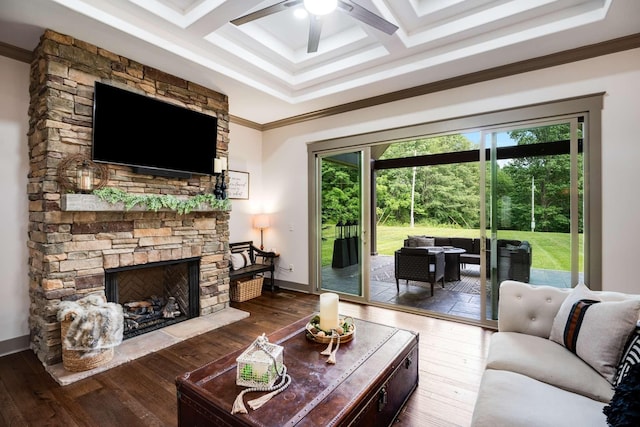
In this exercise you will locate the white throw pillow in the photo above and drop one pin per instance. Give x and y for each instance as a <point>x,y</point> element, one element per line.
<point>595,331</point>
<point>240,260</point>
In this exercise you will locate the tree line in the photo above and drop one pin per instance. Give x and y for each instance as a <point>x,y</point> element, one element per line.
<point>448,195</point>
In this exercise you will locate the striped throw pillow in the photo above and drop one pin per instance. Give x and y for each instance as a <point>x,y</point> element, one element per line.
<point>630,357</point>
<point>596,331</point>
<point>240,260</point>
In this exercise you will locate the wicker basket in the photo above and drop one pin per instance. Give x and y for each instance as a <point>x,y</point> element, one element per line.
<point>245,289</point>
<point>77,361</point>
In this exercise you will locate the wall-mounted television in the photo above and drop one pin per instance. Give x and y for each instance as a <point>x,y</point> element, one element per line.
<point>152,136</point>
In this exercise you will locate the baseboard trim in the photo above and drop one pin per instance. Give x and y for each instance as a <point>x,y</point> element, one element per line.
<point>14,345</point>
<point>293,286</point>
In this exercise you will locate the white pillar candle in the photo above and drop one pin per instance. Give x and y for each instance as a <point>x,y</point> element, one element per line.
<point>217,166</point>
<point>328,311</point>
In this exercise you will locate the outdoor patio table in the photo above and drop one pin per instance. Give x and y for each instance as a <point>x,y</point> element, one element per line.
<point>452,263</point>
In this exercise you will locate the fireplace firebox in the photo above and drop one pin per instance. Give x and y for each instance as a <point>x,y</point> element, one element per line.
<point>155,295</point>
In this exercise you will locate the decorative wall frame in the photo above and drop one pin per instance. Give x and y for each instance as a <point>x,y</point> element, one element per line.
<point>72,179</point>
<point>238,185</point>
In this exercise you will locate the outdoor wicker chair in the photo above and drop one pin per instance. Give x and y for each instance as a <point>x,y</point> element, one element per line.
<point>419,264</point>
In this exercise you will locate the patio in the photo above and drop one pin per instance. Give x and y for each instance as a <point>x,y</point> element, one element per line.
<point>458,298</point>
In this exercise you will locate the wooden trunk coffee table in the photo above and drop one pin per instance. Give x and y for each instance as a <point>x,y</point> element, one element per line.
<point>375,374</point>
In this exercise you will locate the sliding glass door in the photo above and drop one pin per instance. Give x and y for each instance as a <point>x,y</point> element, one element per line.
<point>507,201</point>
<point>533,205</point>
<point>340,218</point>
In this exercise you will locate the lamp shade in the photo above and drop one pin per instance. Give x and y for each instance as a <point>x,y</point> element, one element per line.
<point>261,221</point>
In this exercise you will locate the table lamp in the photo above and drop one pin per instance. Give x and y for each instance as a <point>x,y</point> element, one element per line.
<point>261,221</point>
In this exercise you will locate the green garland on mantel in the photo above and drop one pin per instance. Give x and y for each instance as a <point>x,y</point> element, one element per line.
<point>155,202</point>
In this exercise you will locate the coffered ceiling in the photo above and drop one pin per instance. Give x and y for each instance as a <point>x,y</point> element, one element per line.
<point>263,65</point>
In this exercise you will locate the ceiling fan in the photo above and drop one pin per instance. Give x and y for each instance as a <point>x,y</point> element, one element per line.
<point>317,9</point>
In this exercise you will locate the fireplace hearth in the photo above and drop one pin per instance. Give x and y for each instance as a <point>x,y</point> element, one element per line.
<point>155,295</point>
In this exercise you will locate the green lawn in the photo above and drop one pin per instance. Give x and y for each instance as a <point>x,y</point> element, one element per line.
<point>550,250</point>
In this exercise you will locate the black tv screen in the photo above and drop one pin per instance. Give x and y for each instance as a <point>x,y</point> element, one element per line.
<point>152,136</point>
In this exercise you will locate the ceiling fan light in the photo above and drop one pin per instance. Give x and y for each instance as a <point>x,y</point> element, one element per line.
<point>300,13</point>
<point>320,7</point>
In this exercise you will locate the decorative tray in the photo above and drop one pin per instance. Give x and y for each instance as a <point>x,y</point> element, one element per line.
<point>346,330</point>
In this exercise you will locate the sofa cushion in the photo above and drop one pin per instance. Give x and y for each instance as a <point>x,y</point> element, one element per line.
<point>630,357</point>
<point>546,361</point>
<point>512,399</point>
<point>464,243</point>
<point>527,308</point>
<point>411,241</point>
<point>420,241</point>
<point>596,332</point>
<point>443,241</point>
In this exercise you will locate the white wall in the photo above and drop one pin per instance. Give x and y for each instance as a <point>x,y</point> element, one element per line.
<point>245,155</point>
<point>285,157</point>
<point>277,163</point>
<point>14,211</point>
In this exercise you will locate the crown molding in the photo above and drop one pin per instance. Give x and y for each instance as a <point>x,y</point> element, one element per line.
<point>246,123</point>
<point>17,53</point>
<point>559,58</point>
<point>552,60</point>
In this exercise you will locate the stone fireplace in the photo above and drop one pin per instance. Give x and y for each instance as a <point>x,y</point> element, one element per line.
<point>79,244</point>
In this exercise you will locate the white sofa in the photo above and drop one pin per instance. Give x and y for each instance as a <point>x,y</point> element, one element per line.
<point>530,380</point>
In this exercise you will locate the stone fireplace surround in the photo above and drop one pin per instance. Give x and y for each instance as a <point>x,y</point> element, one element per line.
<point>71,247</point>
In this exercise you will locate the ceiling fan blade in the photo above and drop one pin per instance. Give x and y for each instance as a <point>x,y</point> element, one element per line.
<point>315,25</point>
<point>366,16</point>
<point>278,7</point>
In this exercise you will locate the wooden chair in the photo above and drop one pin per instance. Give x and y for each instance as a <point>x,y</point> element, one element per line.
<point>419,264</point>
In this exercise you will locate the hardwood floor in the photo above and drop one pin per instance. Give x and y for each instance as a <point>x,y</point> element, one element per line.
<point>142,392</point>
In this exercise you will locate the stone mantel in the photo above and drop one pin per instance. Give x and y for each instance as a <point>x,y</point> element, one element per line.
<point>91,203</point>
